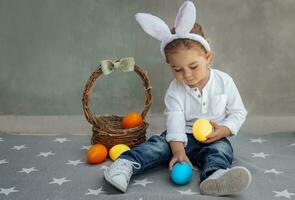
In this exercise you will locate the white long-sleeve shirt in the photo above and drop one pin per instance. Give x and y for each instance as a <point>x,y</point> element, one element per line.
<point>220,102</point>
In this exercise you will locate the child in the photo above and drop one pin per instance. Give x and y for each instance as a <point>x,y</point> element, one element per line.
<point>196,92</point>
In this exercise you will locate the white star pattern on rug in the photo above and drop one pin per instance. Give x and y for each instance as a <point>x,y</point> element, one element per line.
<point>283,193</point>
<point>258,140</point>
<point>187,192</point>
<point>19,147</point>
<point>45,154</point>
<point>59,181</point>
<point>58,166</point>
<point>85,147</point>
<point>273,171</point>
<point>94,192</point>
<point>104,167</point>
<point>3,161</point>
<point>1,139</point>
<point>234,162</point>
<point>7,191</point>
<point>142,182</point>
<point>61,140</point>
<point>74,162</point>
<point>28,170</point>
<point>260,155</point>
<point>196,169</point>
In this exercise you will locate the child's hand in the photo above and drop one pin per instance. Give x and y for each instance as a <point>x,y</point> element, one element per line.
<point>218,133</point>
<point>178,153</point>
<point>179,157</point>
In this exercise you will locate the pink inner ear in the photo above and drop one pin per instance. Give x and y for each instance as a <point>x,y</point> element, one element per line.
<point>179,15</point>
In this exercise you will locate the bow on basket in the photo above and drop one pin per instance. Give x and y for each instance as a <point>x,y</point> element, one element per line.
<point>124,64</point>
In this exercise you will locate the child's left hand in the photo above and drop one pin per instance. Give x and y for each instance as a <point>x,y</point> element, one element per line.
<point>218,133</point>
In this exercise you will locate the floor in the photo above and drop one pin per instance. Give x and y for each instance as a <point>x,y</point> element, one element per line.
<point>43,157</point>
<point>53,167</point>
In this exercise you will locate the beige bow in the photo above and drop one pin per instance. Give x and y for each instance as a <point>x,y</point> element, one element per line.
<point>124,64</point>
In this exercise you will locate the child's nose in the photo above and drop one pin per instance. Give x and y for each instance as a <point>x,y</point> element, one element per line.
<point>186,74</point>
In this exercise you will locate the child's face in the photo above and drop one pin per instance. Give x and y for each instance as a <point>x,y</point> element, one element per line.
<point>190,66</point>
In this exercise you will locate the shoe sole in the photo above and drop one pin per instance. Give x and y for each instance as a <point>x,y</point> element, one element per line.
<point>234,181</point>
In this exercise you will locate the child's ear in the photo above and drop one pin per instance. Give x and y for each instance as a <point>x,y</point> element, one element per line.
<point>209,56</point>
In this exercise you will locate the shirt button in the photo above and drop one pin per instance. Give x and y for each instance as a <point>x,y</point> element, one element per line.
<point>199,96</point>
<point>204,104</point>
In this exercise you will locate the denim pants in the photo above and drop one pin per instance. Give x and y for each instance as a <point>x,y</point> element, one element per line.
<point>207,157</point>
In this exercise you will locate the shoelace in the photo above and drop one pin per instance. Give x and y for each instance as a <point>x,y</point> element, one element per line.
<point>122,166</point>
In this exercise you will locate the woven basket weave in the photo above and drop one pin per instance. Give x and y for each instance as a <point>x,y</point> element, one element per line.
<point>107,128</point>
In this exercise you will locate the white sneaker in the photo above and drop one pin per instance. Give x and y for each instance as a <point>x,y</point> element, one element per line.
<point>120,172</point>
<point>226,182</point>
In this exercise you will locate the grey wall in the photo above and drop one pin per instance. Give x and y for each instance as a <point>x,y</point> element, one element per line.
<point>49,48</point>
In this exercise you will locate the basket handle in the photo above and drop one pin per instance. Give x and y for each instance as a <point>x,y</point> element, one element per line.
<point>89,85</point>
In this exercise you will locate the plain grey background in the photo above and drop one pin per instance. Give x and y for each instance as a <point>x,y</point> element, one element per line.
<point>49,48</point>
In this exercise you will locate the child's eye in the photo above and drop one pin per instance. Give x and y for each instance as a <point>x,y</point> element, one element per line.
<point>177,70</point>
<point>194,67</point>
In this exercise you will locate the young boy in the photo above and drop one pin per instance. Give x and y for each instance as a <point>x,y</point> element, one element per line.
<point>196,92</point>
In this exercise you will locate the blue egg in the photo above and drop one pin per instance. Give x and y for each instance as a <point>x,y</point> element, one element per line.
<point>181,173</point>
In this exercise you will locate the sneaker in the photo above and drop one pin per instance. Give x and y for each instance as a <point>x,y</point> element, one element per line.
<point>226,182</point>
<point>120,172</point>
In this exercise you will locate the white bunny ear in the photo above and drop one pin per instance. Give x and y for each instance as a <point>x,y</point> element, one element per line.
<point>153,26</point>
<point>185,18</point>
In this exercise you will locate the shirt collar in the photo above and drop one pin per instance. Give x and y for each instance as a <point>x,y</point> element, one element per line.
<point>210,79</point>
<point>188,88</point>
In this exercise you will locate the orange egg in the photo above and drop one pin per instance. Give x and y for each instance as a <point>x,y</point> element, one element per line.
<point>96,154</point>
<point>131,120</point>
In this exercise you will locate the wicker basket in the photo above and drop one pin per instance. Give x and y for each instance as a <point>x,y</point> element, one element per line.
<point>107,128</point>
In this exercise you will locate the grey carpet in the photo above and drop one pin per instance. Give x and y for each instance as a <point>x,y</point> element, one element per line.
<point>32,166</point>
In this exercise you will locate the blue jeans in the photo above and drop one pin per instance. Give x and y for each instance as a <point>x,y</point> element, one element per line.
<point>207,157</point>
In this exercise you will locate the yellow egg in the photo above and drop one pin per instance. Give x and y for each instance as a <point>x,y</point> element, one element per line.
<point>117,150</point>
<point>202,128</point>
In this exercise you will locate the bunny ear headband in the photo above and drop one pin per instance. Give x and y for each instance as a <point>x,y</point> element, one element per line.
<point>184,22</point>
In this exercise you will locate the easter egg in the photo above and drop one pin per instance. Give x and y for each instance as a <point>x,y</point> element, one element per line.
<point>201,129</point>
<point>131,120</point>
<point>96,154</point>
<point>117,150</point>
<point>181,173</point>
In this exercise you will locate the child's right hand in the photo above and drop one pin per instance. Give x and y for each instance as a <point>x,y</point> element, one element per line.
<point>179,155</point>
